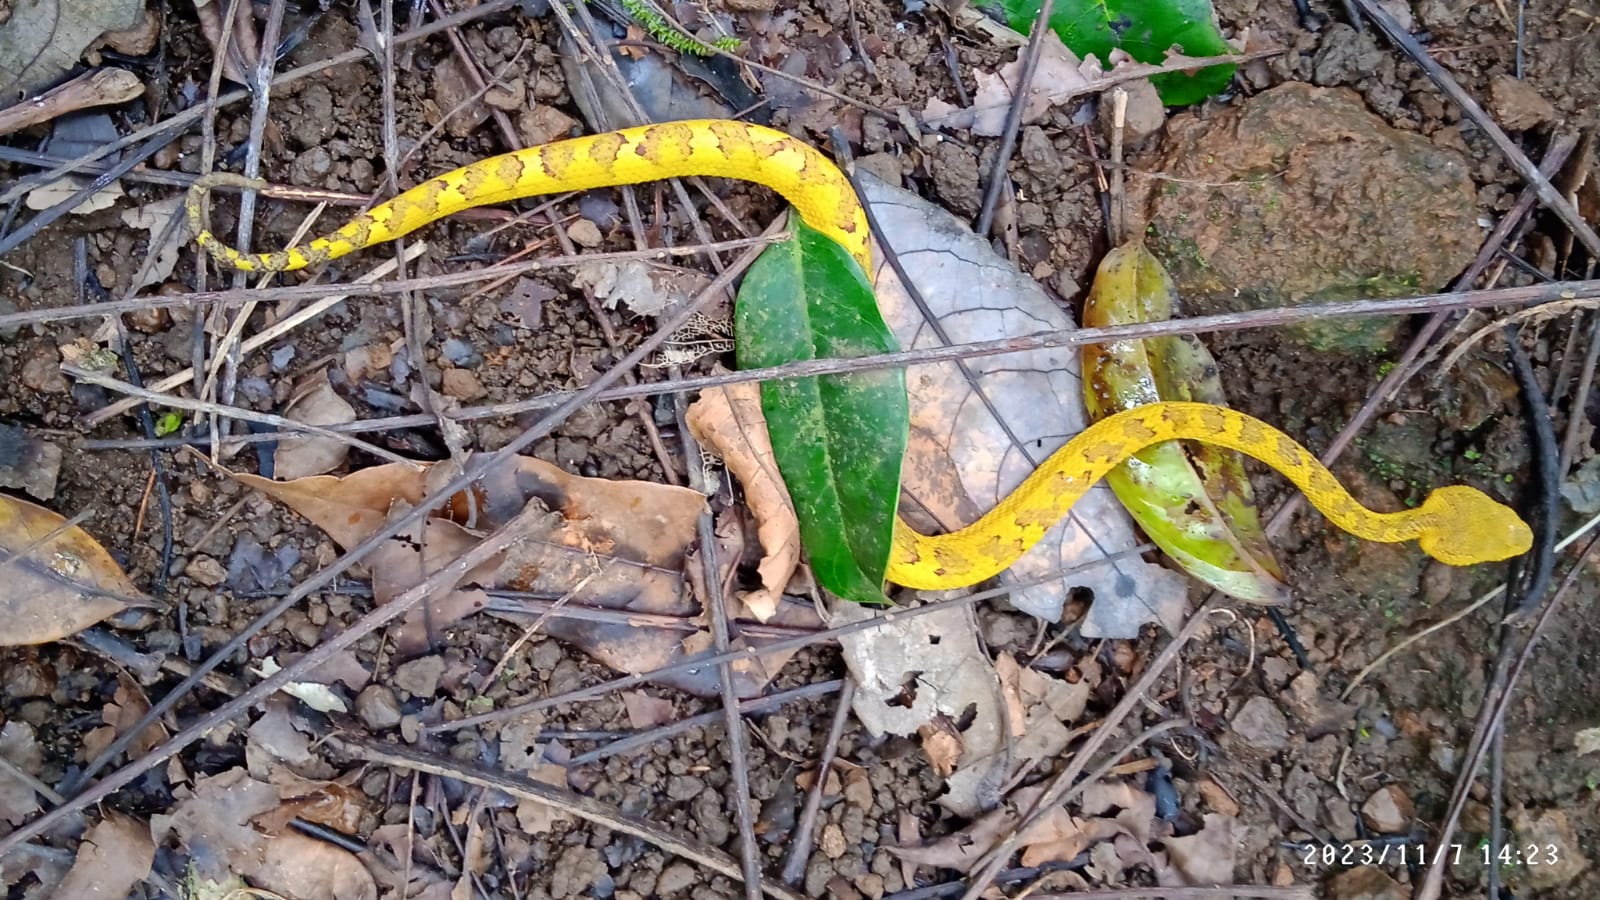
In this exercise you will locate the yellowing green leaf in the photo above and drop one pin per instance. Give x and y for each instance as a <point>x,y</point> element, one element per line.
<point>1194,500</point>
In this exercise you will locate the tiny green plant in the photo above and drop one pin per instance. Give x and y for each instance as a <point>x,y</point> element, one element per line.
<point>168,422</point>
<point>669,34</point>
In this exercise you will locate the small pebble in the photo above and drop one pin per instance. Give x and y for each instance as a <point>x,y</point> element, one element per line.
<point>205,570</point>
<point>462,385</point>
<point>378,707</point>
<point>420,677</point>
<point>585,233</point>
<point>675,878</point>
<point>1261,725</point>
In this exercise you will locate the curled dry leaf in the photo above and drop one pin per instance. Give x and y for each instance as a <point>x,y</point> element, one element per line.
<point>127,706</point>
<point>155,218</point>
<point>729,422</point>
<point>646,288</point>
<point>57,586</point>
<point>1203,858</point>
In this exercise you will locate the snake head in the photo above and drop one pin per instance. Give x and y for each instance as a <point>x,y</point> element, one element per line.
<point>1463,526</point>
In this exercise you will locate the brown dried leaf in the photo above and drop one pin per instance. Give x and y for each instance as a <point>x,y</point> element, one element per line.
<point>18,802</point>
<point>646,711</point>
<point>1136,809</point>
<point>616,546</point>
<point>115,855</point>
<point>942,744</point>
<point>1010,674</point>
<point>298,866</point>
<point>213,821</point>
<point>1058,837</point>
<point>1205,857</point>
<point>963,849</point>
<point>728,421</point>
<point>349,508</point>
<point>536,817</point>
<point>54,588</point>
<point>127,706</point>
<point>313,402</point>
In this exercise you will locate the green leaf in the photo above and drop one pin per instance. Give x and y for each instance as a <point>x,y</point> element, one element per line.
<point>839,439</point>
<point>1145,30</point>
<point>168,422</point>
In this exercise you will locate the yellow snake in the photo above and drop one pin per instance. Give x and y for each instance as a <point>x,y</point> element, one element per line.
<point>1456,525</point>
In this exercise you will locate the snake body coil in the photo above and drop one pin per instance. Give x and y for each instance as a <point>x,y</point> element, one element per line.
<point>1456,525</point>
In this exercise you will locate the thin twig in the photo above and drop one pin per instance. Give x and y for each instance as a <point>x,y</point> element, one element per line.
<point>699,662</point>
<point>101,379</point>
<point>1490,717</point>
<point>794,865</point>
<point>753,707</point>
<point>1068,778</point>
<point>576,804</point>
<point>1219,323</point>
<point>443,578</point>
<point>1008,135</point>
<point>1524,167</point>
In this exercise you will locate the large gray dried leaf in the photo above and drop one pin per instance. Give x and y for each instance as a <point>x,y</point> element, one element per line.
<point>44,38</point>
<point>968,450</point>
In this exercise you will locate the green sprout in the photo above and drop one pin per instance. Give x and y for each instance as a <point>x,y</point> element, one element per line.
<point>168,422</point>
<point>669,34</point>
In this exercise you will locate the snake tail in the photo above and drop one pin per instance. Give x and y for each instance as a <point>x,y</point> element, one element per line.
<point>1456,525</point>
<point>811,183</point>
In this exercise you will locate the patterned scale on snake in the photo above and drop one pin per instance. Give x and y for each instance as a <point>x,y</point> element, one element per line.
<point>1456,525</point>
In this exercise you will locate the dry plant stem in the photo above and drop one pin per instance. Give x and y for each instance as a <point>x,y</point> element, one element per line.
<point>444,578</point>
<point>1524,167</point>
<point>716,605</point>
<point>48,217</point>
<point>474,469</point>
<point>753,707</point>
<point>1408,366</point>
<point>144,667</point>
<point>365,287</point>
<point>1068,778</point>
<point>228,354</point>
<point>1580,398</point>
<point>590,43</point>
<point>794,866</point>
<point>271,333</point>
<point>1008,135</point>
<point>232,412</point>
<point>101,87</point>
<point>574,804</point>
<point>226,350</point>
<point>1228,892</point>
<point>1223,322</point>
<point>523,604</point>
<point>1116,190</point>
<point>1491,719</point>
<point>196,113</point>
